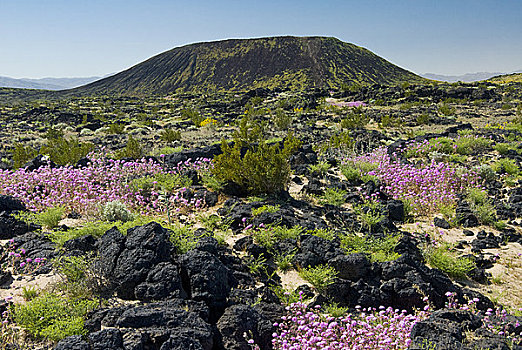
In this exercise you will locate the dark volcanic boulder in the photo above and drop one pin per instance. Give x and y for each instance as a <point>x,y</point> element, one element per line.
<point>106,339</point>
<point>351,267</point>
<point>163,281</point>
<point>131,260</point>
<point>455,329</point>
<point>395,210</point>
<point>74,342</point>
<point>175,159</point>
<point>465,216</point>
<point>208,279</point>
<point>80,245</point>
<point>173,324</point>
<point>9,204</point>
<point>316,251</point>
<point>239,320</point>
<point>11,227</point>
<point>33,246</point>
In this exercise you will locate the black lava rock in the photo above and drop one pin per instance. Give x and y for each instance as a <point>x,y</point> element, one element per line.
<point>131,260</point>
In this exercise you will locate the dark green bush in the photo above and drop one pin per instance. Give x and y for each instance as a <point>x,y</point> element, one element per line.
<point>193,115</point>
<point>53,133</point>
<point>132,149</point>
<point>65,151</point>
<point>22,154</point>
<point>116,128</point>
<point>264,168</point>
<point>170,135</point>
<point>50,316</point>
<point>355,119</point>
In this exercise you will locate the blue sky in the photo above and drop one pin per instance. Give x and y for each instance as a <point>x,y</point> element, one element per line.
<point>65,38</point>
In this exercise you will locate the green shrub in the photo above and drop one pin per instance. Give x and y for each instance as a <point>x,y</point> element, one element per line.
<point>78,280</point>
<point>482,206</point>
<point>161,182</point>
<point>54,133</point>
<point>320,277</point>
<point>423,119</point>
<point>324,233</point>
<point>263,169</point>
<point>22,154</point>
<point>193,115</point>
<point>64,151</point>
<point>116,211</point>
<point>182,237</point>
<point>388,121</point>
<point>341,141</point>
<point>284,261</point>
<point>350,172</point>
<point>321,167</point>
<point>281,119</point>
<point>170,135</point>
<point>470,144</point>
<point>377,249</point>
<point>167,150</point>
<point>29,293</point>
<point>442,258</point>
<point>265,209</point>
<point>446,110</point>
<point>116,128</point>
<point>132,149</point>
<point>334,310</point>
<point>51,316</point>
<point>212,182</point>
<point>504,148</point>
<point>333,196</point>
<point>369,213</point>
<point>355,119</point>
<point>505,165</point>
<point>95,229</point>
<point>50,218</point>
<point>271,234</point>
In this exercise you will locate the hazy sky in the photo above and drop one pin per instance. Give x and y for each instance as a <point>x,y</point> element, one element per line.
<point>74,38</point>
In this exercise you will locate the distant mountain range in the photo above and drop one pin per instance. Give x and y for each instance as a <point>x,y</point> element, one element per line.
<point>244,64</point>
<point>46,83</point>
<point>469,77</point>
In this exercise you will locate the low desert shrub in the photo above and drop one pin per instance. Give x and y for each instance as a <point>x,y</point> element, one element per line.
<point>170,135</point>
<point>320,168</point>
<point>267,236</point>
<point>50,217</point>
<point>442,258</point>
<point>116,128</point>
<point>53,317</point>
<point>320,277</point>
<point>355,118</point>
<point>506,166</point>
<point>377,249</point>
<point>265,209</point>
<point>65,151</point>
<point>132,149</point>
<point>116,211</point>
<point>333,196</point>
<point>482,206</point>
<point>22,154</point>
<point>264,168</point>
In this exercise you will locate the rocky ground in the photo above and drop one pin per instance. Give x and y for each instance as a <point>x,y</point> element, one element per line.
<point>213,275</point>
